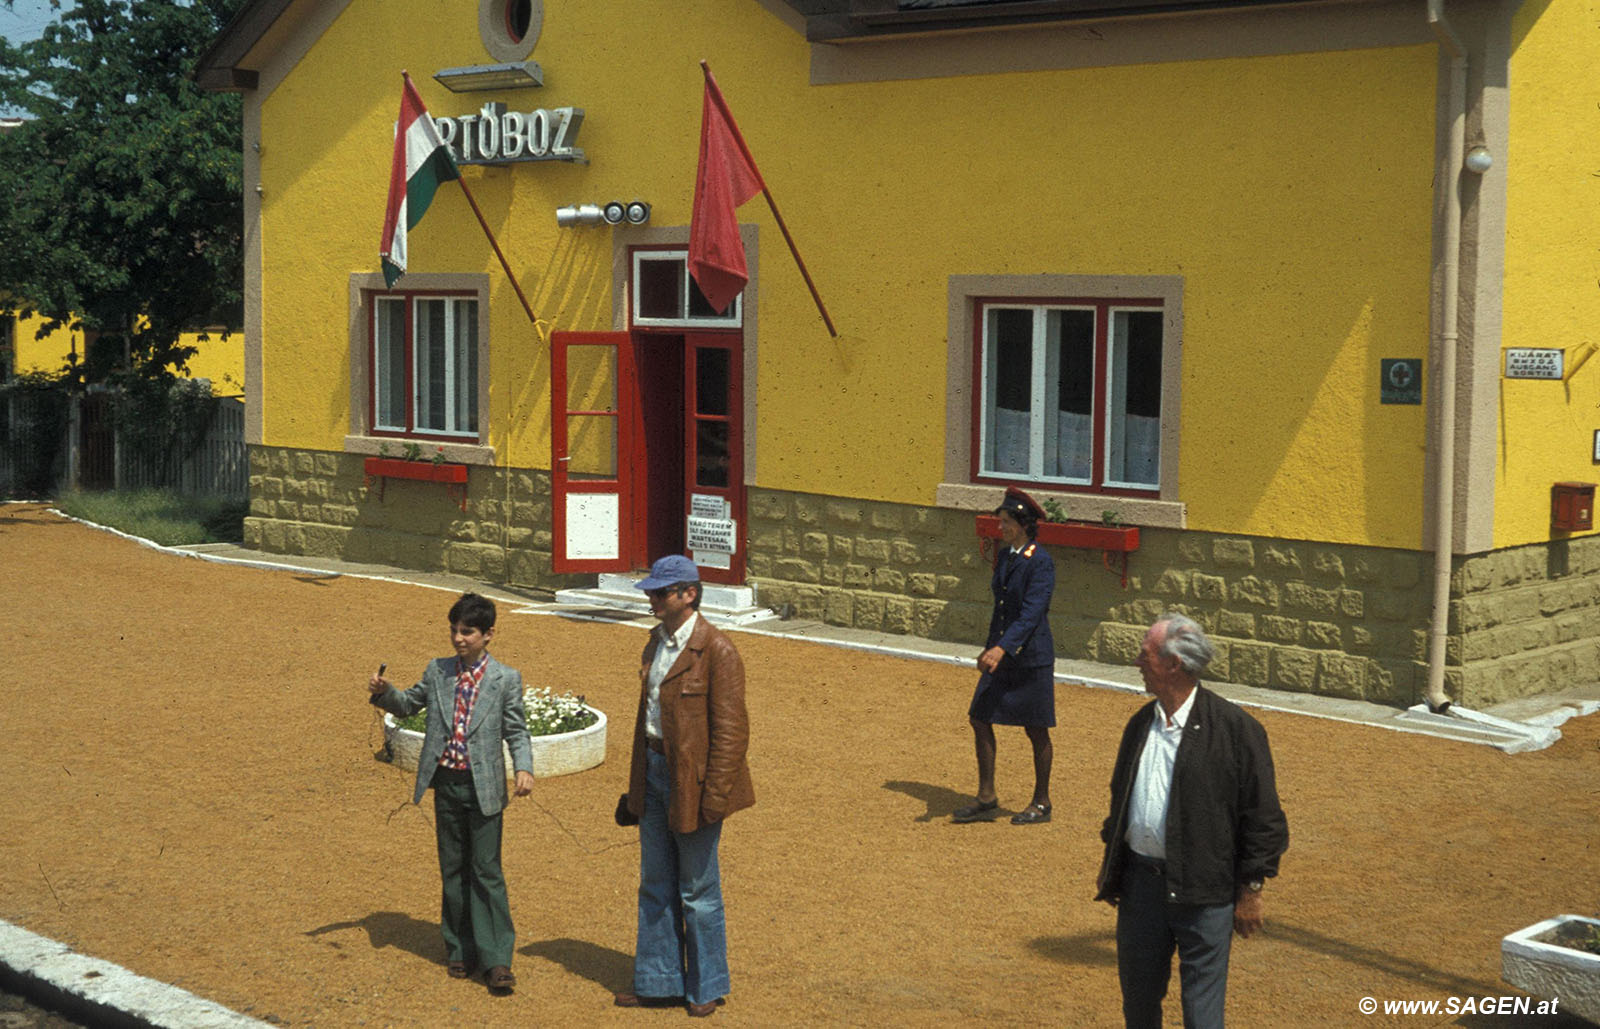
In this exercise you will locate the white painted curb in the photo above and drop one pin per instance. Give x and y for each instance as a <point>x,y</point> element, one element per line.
<point>101,993</point>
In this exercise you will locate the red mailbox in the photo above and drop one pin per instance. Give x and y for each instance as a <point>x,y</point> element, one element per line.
<point>1572,506</point>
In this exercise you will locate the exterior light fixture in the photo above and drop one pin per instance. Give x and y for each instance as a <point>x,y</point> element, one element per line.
<point>633,212</point>
<point>1479,160</point>
<point>513,75</point>
<point>575,215</point>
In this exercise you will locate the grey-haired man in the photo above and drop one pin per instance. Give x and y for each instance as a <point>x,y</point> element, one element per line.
<point>1194,832</point>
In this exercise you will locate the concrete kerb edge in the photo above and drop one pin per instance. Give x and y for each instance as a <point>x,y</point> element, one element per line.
<point>1535,736</point>
<point>100,993</point>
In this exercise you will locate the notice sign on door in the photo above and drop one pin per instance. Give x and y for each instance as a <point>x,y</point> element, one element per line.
<point>711,534</point>
<point>707,505</point>
<point>1534,363</point>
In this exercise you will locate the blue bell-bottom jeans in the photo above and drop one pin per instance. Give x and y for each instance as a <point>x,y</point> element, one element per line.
<point>682,949</point>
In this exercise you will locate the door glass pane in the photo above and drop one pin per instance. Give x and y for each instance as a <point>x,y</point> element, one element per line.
<point>710,453</point>
<point>1133,399</point>
<point>591,447</point>
<point>389,361</point>
<point>592,378</point>
<point>1008,354</point>
<point>1069,382</point>
<point>660,286</point>
<point>711,380</point>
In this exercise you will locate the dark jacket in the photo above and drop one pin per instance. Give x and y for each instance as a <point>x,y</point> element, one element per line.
<point>705,731</point>
<point>1224,824</point>
<point>1022,584</point>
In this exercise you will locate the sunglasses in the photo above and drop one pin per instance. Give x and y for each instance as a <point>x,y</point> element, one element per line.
<point>663,593</point>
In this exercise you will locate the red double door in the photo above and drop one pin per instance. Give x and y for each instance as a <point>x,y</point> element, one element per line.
<point>647,451</point>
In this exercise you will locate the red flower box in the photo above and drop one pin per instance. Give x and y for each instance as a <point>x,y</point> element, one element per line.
<point>422,471</point>
<point>453,476</point>
<point>1083,535</point>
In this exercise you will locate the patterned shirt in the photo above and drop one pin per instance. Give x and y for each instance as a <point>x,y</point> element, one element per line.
<point>467,682</point>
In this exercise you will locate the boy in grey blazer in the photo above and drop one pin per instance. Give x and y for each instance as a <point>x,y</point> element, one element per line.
<point>474,703</point>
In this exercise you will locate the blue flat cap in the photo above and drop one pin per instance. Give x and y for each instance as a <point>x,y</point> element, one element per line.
<point>669,571</point>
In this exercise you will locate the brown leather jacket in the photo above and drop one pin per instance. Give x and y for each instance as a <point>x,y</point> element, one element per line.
<point>705,731</point>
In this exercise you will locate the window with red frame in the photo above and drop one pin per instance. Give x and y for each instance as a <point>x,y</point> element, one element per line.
<point>425,365</point>
<point>1070,394</point>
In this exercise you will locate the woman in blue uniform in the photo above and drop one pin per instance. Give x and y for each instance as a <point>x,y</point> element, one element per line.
<point>1017,686</point>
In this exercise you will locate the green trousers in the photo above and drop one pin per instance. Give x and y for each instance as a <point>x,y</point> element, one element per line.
<point>475,915</point>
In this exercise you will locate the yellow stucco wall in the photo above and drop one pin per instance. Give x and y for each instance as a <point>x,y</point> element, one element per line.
<point>1550,300</point>
<point>1292,193</point>
<point>218,359</point>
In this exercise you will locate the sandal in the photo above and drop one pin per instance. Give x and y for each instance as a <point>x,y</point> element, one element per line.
<point>457,969</point>
<point>974,812</point>
<point>500,979</point>
<point>1033,814</point>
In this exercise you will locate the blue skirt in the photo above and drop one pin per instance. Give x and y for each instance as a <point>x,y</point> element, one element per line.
<point>1016,696</point>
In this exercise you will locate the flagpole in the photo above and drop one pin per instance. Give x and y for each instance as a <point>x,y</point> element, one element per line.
<point>738,137</point>
<point>494,243</point>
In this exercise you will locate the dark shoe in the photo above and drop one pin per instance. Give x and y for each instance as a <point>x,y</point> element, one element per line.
<point>708,1008</point>
<point>975,812</point>
<point>1033,814</point>
<point>633,1000</point>
<point>457,970</point>
<point>500,979</point>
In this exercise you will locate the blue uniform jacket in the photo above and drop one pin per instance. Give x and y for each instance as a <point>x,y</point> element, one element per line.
<point>1022,585</point>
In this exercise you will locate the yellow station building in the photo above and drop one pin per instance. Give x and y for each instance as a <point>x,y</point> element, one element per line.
<point>1279,286</point>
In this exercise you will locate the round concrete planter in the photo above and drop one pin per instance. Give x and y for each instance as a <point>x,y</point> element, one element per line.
<point>561,754</point>
<point>1545,969</point>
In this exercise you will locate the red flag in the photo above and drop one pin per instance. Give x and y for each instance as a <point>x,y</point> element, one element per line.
<point>727,177</point>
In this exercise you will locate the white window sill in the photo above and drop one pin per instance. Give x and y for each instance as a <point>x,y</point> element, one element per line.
<point>1142,511</point>
<point>460,453</point>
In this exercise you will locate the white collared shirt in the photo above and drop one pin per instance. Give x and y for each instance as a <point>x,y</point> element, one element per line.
<point>1152,785</point>
<point>668,647</point>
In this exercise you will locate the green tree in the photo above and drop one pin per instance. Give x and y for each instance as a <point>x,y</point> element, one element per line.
<point>120,194</point>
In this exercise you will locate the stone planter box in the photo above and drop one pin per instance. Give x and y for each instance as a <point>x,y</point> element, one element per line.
<point>561,754</point>
<point>1530,962</point>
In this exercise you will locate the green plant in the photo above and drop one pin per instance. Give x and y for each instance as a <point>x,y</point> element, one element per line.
<point>1584,936</point>
<point>1053,511</point>
<point>1110,516</point>
<point>413,452</point>
<point>438,457</point>
<point>548,714</point>
<point>161,516</point>
<point>383,449</point>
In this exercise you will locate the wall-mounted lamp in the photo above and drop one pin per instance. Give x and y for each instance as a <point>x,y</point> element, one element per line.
<point>634,212</point>
<point>513,75</point>
<point>1479,160</point>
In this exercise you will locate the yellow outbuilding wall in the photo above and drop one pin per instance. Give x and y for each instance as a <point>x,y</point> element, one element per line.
<point>216,358</point>
<point>1292,193</point>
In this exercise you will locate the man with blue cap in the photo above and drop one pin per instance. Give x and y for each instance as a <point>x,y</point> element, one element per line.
<point>688,774</point>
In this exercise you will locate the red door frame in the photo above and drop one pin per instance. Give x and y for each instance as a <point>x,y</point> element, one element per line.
<point>626,413</point>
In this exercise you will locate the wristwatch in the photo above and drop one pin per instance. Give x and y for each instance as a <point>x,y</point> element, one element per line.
<point>1254,885</point>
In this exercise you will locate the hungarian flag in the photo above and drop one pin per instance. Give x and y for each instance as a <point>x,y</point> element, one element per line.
<point>727,178</point>
<point>421,162</point>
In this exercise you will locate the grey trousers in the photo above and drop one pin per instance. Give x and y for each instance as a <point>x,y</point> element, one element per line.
<point>1149,929</point>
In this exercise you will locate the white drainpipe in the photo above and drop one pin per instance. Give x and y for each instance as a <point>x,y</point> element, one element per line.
<point>1445,455</point>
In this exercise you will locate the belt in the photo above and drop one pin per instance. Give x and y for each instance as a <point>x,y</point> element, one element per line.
<point>1148,864</point>
<point>655,744</point>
